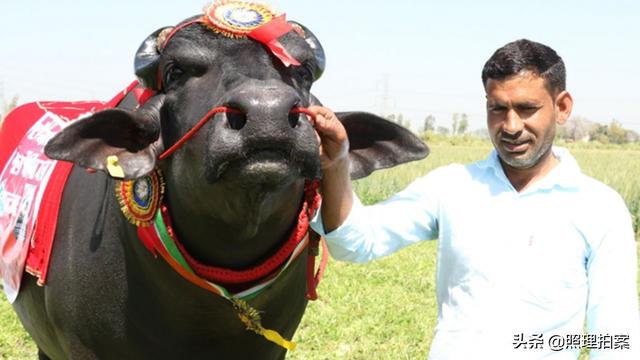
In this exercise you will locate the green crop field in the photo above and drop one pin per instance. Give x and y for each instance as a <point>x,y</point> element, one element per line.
<point>387,309</point>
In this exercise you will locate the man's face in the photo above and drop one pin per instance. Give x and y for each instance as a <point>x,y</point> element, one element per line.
<point>521,118</point>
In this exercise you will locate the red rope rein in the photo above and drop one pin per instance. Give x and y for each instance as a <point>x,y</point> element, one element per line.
<point>209,115</point>
<point>310,206</point>
<point>302,110</point>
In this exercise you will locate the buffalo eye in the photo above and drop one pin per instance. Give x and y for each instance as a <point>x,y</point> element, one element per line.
<point>304,72</point>
<point>173,72</point>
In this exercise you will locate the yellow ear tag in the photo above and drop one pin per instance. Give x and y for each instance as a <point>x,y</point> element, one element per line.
<point>114,169</point>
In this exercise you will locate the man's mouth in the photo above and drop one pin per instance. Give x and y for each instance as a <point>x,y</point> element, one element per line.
<point>515,146</point>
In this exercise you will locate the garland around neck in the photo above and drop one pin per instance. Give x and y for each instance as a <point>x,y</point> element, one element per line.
<point>141,203</point>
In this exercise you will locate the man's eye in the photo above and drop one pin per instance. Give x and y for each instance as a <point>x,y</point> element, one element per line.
<point>497,109</point>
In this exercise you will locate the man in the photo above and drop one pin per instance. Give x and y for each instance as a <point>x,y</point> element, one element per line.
<point>530,248</point>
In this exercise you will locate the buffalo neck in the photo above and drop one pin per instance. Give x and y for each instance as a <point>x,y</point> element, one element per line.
<point>236,227</point>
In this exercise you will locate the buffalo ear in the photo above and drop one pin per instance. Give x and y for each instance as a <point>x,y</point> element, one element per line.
<point>132,136</point>
<point>376,143</point>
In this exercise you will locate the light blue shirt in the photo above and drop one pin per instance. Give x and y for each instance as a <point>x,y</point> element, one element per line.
<point>512,268</point>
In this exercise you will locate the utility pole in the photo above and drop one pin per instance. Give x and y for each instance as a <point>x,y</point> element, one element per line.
<point>384,98</point>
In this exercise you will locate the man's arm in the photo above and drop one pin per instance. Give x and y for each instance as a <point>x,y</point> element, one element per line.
<point>357,233</point>
<point>612,308</point>
<point>337,197</point>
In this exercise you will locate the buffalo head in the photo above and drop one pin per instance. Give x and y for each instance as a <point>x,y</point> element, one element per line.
<point>194,71</point>
<point>260,148</point>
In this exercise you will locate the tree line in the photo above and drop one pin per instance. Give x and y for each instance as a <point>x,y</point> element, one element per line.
<point>459,124</point>
<point>576,129</point>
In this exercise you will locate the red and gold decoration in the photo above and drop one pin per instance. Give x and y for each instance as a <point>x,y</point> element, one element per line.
<point>256,21</point>
<point>237,18</point>
<point>140,198</point>
<point>242,19</point>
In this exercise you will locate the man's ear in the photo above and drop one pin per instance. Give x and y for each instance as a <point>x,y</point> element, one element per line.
<point>376,143</point>
<point>131,136</point>
<point>564,105</point>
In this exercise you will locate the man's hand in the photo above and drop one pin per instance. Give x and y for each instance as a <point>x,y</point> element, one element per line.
<point>337,197</point>
<point>334,143</point>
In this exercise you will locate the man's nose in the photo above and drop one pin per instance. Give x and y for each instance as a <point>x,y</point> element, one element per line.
<point>513,123</point>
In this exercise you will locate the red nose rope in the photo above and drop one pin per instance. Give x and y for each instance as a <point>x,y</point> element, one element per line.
<point>208,116</point>
<point>245,278</point>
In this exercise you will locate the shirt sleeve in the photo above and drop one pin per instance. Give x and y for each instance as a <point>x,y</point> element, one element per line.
<point>612,305</point>
<point>371,232</point>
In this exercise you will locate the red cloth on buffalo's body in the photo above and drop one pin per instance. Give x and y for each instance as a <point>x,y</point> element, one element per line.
<point>37,191</point>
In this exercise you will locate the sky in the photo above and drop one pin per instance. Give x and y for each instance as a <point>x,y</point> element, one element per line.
<point>411,57</point>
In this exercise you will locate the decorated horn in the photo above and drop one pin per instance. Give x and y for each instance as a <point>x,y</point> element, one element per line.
<point>315,45</point>
<point>147,58</point>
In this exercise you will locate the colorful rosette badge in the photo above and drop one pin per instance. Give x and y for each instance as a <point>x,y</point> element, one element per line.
<point>237,18</point>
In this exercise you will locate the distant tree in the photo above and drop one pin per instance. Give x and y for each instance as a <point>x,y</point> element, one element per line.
<point>442,130</point>
<point>454,124</point>
<point>481,133</point>
<point>613,133</point>
<point>576,128</point>
<point>400,120</point>
<point>7,106</point>
<point>599,133</point>
<point>463,124</point>
<point>429,123</point>
<point>616,133</point>
<point>632,136</point>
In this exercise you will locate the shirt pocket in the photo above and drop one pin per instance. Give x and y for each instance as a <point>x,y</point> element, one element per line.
<point>552,267</point>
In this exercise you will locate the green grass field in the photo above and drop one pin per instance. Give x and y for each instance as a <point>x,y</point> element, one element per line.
<point>386,309</point>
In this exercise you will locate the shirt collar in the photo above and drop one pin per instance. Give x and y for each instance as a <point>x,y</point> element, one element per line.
<point>564,175</point>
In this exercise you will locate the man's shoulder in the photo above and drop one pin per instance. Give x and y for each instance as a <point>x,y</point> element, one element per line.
<point>451,176</point>
<point>447,173</point>
<point>592,192</point>
<point>601,194</point>
<point>448,170</point>
<point>599,210</point>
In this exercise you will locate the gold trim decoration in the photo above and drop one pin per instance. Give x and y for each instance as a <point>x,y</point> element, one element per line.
<point>140,198</point>
<point>236,19</point>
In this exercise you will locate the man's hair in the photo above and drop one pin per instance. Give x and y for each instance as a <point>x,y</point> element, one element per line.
<point>523,55</point>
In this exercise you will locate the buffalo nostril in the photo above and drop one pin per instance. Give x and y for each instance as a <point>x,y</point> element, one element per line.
<point>236,120</point>
<point>294,117</point>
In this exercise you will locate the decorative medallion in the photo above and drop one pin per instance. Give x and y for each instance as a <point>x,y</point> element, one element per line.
<point>140,198</point>
<point>237,18</point>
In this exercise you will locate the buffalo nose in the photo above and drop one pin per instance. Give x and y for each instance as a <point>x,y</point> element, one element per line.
<point>263,108</point>
<point>236,119</point>
<point>293,119</point>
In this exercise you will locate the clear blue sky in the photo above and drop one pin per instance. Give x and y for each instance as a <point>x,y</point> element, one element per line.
<point>410,57</point>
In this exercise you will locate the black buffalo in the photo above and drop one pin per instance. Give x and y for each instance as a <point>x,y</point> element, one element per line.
<point>233,191</point>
